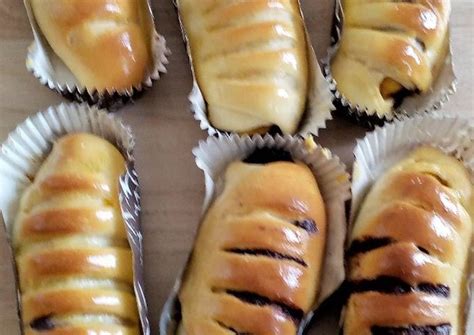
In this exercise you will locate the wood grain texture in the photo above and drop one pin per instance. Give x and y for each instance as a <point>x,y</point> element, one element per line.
<point>172,186</point>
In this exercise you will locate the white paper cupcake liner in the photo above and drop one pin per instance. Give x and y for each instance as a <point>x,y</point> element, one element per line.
<point>384,147</point>
<point>51,71</point>
<point>443,87</point>
<point>214,155</point>
<point>28,146</point>
<point>319,97</point>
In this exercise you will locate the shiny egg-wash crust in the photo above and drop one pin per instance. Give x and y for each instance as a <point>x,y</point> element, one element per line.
<point>250,60</point>
<point>104,44</point>
<point>74,261</point>
<point>256,264</point>
<point>390,50</point>
<point>409,249</point>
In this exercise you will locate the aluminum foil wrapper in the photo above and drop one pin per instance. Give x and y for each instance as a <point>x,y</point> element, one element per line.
<point>319,98</point>
<point>51,71</point>
<point>27,147</point>
<point>385,147</point>
<point>214,155</point>
<point>443,87</point>
<point>8,275</point>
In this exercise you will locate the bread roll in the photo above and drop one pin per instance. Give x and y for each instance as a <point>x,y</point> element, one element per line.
<point>409,249</point>
<point>390,49</point>
<point>105,43</point>
<point>71,249</point>
<point>257,260</point>
<point>250,60</point>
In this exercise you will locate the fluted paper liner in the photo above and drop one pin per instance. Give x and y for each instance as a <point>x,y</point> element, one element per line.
<point>385,147</point>
<point>439,94</point>
<point>214,155</point>
<point>51,71</point>
<point>318,101</point>
<point>28,146</point>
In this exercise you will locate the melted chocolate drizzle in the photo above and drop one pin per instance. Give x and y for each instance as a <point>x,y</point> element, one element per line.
<point>43,323</point>
<point>307,224</point>
<point>393,285</point>
<point>442,329</point>
<point>266,253</point>
<point>236,332</point>
<point>295,314</point>
<point>368,244</point>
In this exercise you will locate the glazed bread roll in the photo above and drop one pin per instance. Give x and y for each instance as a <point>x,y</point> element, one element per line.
<point>390,49</point>
<point>73,258</point>
<point>257,260</point>
<point>250,60</point>
<point>408,260</point>
<point>105,43</point>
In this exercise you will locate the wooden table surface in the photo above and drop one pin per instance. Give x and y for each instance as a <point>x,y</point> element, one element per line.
<point>172,186</point>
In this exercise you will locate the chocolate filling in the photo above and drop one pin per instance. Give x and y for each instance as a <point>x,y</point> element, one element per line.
<point>442,181</point>
<point>421,44</point>
<point>368,244</point>
<point>43,323</point>
<point>275,130</point>
<point>423,250</point>
<point>393,285</point>
<point>268,155</point>
<point>307,224</point>
<point>435,289</point>
<point>400,95</point>
<point>295,314</point>
<point>442,329</point>
<point>266,253</point>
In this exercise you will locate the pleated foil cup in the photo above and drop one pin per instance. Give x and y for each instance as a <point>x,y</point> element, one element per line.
<point>438,95</point>
<point>27,147</point>
<point>383,148</point>
<point>9,295</point>
<point>214,155</point>
<point>319,104</point>
<point>51,71</point>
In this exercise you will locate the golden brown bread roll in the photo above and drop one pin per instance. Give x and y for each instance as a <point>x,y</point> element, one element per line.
<point>105,43</point>
<point>409,249</point>
<point>390,49</point>
<point>257,260</point>
<point>73,258</point>
<point>250,60</point>
<point>101,330</point>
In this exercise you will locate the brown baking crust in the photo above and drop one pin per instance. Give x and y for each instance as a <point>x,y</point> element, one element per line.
<point>49,264</point>
<point>72,254</point>
<point>389,50</point>
<point>48,223</point>
<point>417,232</point>
<point>105,44</point>
<point>112,329</point>
<point>369,309</point>
<point>257,259</point>
<point>250,60</point>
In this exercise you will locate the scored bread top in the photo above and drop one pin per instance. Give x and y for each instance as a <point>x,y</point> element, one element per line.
<point>250,60</point>
<point>390,49</point>
<point>409,249</point>
<point>105,43</point>
<point>71,249</point>
<point>257,260</point>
